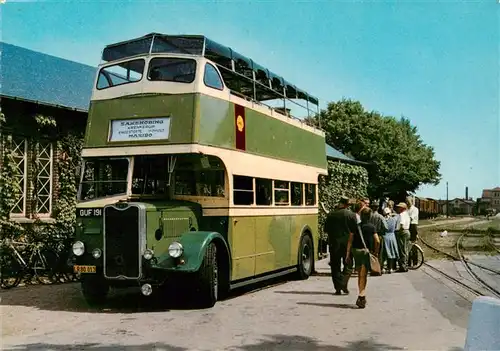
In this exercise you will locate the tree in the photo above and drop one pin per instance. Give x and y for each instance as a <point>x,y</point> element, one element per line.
<point>399,160</point>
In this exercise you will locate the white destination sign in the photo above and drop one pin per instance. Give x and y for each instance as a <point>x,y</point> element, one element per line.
<point>140,129</point>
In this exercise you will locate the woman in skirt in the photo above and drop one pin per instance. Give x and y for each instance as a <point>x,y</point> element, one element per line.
<point>390,243</point>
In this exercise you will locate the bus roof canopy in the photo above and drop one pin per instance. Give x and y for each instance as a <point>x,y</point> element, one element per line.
<point>200,45</point>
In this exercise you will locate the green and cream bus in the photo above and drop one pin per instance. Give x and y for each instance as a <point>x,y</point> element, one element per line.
<point>188,172</point>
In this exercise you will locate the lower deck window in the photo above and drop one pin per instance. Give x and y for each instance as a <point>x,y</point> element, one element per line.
<point>197,175</point>
<point>264,192</point>
<point>243,190</point>
<point>297,193</point>
<point>310,194</point>
<point>281,193</point>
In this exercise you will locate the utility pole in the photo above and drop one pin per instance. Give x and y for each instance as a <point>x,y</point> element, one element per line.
<point>447,203</point>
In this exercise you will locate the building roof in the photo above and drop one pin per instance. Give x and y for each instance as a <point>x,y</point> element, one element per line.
<point>44,79</point>
<point>334,154</point>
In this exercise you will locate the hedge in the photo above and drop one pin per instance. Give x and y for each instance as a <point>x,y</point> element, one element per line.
<point>343,180</point>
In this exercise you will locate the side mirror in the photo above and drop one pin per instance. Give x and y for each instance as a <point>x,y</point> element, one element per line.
<point>323,207</point>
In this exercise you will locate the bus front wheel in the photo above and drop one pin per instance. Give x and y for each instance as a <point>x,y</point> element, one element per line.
<point>306,257</point>
<point>207,278</point>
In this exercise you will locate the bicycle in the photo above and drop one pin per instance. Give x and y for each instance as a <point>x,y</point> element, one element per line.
<point>415,255</point>
<point>13,267</point>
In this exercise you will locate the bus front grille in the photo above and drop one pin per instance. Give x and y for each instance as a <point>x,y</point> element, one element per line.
<point>122,242</point>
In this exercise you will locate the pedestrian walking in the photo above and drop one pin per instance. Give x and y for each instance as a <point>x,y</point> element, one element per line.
<point>403,236</point>
<point>363,242</point>
<point>339,225</point>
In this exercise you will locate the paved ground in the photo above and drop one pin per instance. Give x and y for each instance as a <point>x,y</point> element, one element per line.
<point>403,311</point>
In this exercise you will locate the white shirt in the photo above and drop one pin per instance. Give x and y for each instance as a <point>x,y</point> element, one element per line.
<point>404,218</point>
<point>358,218</point>
<point>413,213</point>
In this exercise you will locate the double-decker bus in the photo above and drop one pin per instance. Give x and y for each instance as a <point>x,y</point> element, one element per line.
<point>189,172</point>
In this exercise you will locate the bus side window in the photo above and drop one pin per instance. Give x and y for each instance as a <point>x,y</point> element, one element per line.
<point>310,194</point>
<point>264,191</point>
<point>211,78</point>
<point>297,191</point>
<point>243,190</point>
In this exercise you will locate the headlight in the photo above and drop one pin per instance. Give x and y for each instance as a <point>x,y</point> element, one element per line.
<point>148,254</point>
<point>96,253</point>
<point>175,249</point>
<point>78,248</point>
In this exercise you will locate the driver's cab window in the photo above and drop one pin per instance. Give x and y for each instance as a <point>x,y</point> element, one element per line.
<point>211,77</point>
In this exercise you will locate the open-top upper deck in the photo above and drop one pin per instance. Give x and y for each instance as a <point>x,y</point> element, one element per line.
<point>225,58</point>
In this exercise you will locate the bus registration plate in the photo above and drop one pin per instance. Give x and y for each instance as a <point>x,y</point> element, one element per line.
<point>84,269</point>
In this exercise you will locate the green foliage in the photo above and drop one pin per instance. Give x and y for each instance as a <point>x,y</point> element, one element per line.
<point>399,160</point>
<point>342,180</point>
<point>9,186</point>
<point>69,149</point>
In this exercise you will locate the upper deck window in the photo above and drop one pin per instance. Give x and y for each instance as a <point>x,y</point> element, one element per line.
<point>172,69</point>
<point>212,78</point>
<point>121,73</point>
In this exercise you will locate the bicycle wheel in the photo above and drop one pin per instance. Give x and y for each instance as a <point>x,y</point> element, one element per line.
<point>44,266</point>
<point>11,271</point>
<point>415,257</point>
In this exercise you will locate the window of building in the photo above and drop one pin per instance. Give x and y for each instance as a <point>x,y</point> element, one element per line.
<point>310,194</point>
<point>212,78</point>
<point>243,190</point>
<point>281,193</point>
<point>297,193</point>
<point>264,191</point>
<point>43,176</point>
<point>19,147</point>
<point>171,69</point>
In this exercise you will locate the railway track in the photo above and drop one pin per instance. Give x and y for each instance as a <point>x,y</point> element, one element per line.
<point>467,265</point>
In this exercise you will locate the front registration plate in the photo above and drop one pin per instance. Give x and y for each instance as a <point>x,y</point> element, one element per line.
<point>84,269</point>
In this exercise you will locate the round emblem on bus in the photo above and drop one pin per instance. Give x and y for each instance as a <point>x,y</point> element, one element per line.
<point>239,123</point>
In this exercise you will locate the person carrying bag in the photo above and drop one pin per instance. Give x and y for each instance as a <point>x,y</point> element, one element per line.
<point>364,260</point>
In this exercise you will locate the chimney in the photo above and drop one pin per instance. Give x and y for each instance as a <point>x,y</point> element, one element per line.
<point>466,193</point>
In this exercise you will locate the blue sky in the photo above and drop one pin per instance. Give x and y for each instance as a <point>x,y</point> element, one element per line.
<point>437,63</point>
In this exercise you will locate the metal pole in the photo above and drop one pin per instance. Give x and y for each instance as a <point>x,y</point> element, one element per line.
<point>447,203</point>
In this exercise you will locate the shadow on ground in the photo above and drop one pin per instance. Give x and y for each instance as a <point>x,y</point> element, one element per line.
<point>270,342</point>
<point>68,297</point>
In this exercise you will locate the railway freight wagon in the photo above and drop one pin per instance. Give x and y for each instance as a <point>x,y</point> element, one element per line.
<point>428,208</point>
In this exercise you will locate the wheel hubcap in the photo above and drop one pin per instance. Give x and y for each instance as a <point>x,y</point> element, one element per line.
<point>306,258</point>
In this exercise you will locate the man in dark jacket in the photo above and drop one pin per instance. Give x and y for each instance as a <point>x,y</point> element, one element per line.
<point>339,225</point>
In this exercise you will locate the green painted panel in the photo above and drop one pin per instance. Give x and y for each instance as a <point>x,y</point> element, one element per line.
<point>180,107</point>
<point>265,135</point>
<point>242,245</point>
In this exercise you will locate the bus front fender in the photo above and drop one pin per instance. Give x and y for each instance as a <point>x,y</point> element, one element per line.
<point>194,247</point>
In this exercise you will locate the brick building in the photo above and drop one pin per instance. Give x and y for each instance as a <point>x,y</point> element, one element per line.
<point>35,85</point>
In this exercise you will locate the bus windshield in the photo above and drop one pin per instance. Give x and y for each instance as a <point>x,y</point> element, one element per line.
<point>103,177</point>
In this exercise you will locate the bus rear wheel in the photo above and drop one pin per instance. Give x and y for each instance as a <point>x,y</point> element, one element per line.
<point>207,279</point>
<point>306,258</point>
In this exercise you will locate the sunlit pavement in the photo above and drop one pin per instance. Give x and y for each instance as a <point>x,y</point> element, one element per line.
<point>404,311</point>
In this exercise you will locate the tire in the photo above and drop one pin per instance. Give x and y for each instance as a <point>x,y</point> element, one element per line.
<point>11,271</point>
<point>44,266</point>
<point>415,257</point>
<point>95,290</point>
<point>305,262</point>
<point>207,279</point>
